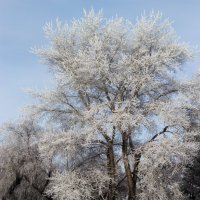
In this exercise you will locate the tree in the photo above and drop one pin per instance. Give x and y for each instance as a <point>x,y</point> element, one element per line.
<point>191,183</point>
<point>117,124</point>
<point>23,172</point>
<point>191,175</point>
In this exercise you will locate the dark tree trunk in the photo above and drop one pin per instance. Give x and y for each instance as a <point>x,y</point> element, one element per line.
<point>111,171</point>
<point>130,180</point>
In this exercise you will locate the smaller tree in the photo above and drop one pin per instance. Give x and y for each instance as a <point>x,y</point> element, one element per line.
<point>190,184</point>
<point>23,173</point>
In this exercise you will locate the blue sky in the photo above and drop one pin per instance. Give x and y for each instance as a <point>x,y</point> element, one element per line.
<point>21,23</point>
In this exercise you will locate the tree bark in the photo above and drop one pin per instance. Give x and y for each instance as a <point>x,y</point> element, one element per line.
<point>131,183</point>
<point>111,171</point>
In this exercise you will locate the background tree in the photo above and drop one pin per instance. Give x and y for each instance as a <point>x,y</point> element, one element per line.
<point>23,173</point>
<point>191,175</point>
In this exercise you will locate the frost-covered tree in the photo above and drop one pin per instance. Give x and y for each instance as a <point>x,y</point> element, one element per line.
<point>191,174</point>
<point>118,119</point>
<point>191,179</point>
<point>191,183</point>
<point>23,173</point>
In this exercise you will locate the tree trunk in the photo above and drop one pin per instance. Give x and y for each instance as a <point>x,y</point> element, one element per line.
<point>137,157</point>
<point>111,171</point>
<point>130,180</point>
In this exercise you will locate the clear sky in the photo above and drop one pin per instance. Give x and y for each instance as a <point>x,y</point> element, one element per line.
<point>21,23</point>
